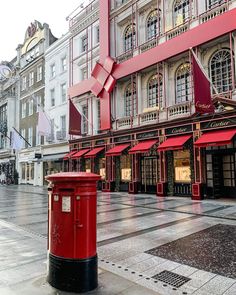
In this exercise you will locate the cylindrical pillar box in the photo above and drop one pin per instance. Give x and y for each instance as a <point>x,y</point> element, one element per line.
<point>72,231</point>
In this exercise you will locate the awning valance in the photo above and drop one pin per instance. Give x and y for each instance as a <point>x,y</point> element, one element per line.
<point>80,153</point>
<point>68,156</point>
<point>216,138</point>
<point>117,150</point>
<point>94,152</point>
<point>174,143</point>
<point>142,147</point>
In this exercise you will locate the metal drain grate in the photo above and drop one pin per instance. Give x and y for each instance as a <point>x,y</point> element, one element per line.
<point>171,278</point>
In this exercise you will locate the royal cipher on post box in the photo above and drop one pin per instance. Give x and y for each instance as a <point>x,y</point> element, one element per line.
<point>72,231</point>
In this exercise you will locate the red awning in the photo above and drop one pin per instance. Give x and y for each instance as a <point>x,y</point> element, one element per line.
<point>117,150</point>
<point>79,154</point>
<point>174,143</point>
<point>94,152</point>
<point>216,138</point>
<point>68,156</point>
<point>142,147</point>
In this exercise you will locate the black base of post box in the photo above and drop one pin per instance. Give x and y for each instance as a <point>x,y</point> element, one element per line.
<point>79,275</point>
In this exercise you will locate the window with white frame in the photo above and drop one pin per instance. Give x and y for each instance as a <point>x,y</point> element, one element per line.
<point>84,73</point>
<point>22,132</point>
<point>84,43</point>
<point>52,96</point>
<point>130,100</point>
<point>63,123</point>
<point>52,129</point>
<point>31,78</point>
<point>23,110</point>
<point>31,107</point>
<point>221,70</point>
<point>23,85</point>
<point>63,92</point>
<point>39,73</point>
<point>63,64</point>
<point>155,91</point>
<point>52,71</point>
<point>30,136</point>
<point>129,37</point>
<point>182,11</point>
<point>97,34</point>
<point>153,24</point>
<point>85,119</point>
<point>99,114</point>
<point>38,100</point>
<point>213,3</point>
<point>183,85</point>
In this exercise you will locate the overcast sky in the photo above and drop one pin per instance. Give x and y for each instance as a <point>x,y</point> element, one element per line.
<point>16,16</point>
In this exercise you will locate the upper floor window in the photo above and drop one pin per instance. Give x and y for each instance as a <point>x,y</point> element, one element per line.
<point>52,70</point>
<point>52,94</point>
<point>153,24</point>
<point>63,123</point>
<point>63,92</point>
<point>129,38</point>
<point>84,43</point>
<point>38,100</point>
<point>63,64</point>
<point>155,91</point>
<point>221,70</point>
<point>31,107</point>
<point>30,136</point>
<point>31,78</point>
<point>97,34</point>
<point>213,3</point>
<point>130,100</point>
<point>23,110</point>
<point>183,85</point>
<point>181,11</point>
<point>39,73</point>
<point>85,119</point>
<point>23,85</point>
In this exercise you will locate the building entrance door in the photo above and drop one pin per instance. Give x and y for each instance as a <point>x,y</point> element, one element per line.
<point>218,182</point>
<point>149,174</point>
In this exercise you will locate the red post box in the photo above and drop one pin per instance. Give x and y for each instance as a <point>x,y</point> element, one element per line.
<point>72,233</point>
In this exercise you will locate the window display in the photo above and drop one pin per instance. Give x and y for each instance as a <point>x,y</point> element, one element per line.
<point>182,166</point>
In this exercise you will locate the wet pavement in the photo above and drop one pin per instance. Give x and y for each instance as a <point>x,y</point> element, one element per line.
<point>139,237</point>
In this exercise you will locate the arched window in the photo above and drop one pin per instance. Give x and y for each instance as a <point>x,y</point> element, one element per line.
<point>220,70</point>
<point>130,100</point>
<point>181,11</point>
<point>153,24</point>
<point>129,38</point>
<point>213,3</point>
<point>155,91</point>
<point>183,83</point>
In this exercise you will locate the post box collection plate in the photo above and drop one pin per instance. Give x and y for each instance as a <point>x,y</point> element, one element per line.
<point>66,204</point>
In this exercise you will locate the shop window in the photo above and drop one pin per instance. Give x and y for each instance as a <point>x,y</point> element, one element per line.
<point>221,71</point>
<point>129,38</point>
<point>125,165</point>
<point>155,91</point>
<point>88,165</point>
<point>182,166</point>
<point>102,168</point>
<point>23,171</point>
<point>130,100</point>
<point>153,25</point>
<point>32,171</point>
<point>183,85</point>
<point>181,11</point>
<point>229,170</point>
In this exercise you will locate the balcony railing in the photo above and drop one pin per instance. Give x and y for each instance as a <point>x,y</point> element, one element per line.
<point>148,45</point>
<point>220,9</point>
<point>125,56</point>
<point>177,31</point>
<point>124,122</point>
<point>61,135</point>
<point>179,110</point>
<point>149,117</point>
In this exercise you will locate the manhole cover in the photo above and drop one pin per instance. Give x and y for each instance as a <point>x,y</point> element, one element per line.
<point>171,278</point>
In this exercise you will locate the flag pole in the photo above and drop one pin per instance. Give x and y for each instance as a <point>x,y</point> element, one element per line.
<point>203,70</point>
<point>21,136</point>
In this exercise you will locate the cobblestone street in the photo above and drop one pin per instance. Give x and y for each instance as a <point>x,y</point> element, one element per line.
<point>141,238</point>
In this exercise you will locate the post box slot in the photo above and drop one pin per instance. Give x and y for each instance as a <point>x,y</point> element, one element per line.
<point>66,190</point>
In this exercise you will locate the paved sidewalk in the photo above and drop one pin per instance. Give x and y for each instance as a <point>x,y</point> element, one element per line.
<point>139,238</point>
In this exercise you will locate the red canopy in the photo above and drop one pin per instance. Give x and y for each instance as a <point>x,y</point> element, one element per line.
<point>216,138</point>
<point>174,143</point>
<point>79,154</point>
<point>142,147</point>
<point>117,150</point>
<point>94,152</point>
<point>68,156</point>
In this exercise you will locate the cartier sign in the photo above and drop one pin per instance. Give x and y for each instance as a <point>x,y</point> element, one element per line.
<point>218,124</point>
<point>179,130</point>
